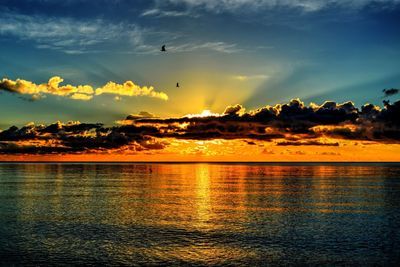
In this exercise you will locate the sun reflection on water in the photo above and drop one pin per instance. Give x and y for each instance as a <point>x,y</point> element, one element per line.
<point>188,213</point>
<point>203,202</point>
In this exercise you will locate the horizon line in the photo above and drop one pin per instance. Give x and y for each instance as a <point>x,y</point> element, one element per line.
<point>211,162</point>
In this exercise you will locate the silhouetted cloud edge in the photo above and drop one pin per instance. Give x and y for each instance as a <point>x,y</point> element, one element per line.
<point>290,124</point>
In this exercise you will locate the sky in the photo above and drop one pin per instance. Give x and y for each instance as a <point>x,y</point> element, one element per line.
<point>81,61</point>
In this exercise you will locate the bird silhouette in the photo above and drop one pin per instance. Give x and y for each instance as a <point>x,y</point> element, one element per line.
<point>177,84</point>
<point>163,49</point>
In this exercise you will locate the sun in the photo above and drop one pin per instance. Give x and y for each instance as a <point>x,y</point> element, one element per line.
<point>204,113</point>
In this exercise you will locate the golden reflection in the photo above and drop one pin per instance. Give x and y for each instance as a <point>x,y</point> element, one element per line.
<point>193,201</point>
<point>203,202</point>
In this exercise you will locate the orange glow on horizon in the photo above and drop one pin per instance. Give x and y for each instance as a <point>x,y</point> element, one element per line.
<point>237,150</point>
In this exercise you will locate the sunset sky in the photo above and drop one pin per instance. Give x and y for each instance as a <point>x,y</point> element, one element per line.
<point>253,75</point>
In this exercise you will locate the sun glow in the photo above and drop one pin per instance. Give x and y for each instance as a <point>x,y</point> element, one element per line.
<point>204,113</point>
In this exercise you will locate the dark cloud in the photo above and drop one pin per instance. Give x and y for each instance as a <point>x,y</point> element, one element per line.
<point>234,110</point>
<point>291,124</point>
<point>12,148</point>
<point>76,137</point>
<point>390,92</point>
<point>140,115</point>
<point>15,134</point>
<point>306,143</point>
<point>329,119</point>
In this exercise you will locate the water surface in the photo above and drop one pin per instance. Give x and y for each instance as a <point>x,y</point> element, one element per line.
<point>199,214</point>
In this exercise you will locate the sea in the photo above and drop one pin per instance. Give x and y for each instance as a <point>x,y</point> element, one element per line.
<point>199,214</point>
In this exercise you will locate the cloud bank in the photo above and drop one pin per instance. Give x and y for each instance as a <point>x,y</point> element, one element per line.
<point>80,92</point>
<point>291,124</point>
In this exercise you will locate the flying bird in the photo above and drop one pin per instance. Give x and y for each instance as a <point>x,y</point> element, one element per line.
<point>163,49</point>
<point>177,84</point>
<point>390,92</point>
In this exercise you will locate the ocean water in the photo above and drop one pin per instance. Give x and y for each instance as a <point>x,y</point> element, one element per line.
<point>200,214</point>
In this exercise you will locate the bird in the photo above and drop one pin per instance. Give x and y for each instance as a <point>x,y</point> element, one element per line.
<point>163,49</point>
<point>177,84</point>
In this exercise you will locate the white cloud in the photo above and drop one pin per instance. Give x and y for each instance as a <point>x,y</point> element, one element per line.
<point>175,47</point>
<point>73,36</point>
<point>155,12</point>
<point>69,35</point>
<point>214,46</point>
<point>257,5</point>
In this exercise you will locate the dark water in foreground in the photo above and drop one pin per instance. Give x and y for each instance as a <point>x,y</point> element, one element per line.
<point>199,214</point>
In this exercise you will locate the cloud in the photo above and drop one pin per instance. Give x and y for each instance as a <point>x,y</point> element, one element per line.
<point>140,115</point>
<point>31,148</point>
<point>291,121</point>
<point>234,6</point>
<point>243,78</point>
<point>80,92</point>
<point>290,124</point>
<point>79,96</point>
<point>78,36</point>
<point>130,89</point>
<point>306,143</point>
<point>213,46</point>
<point>53,87</point>
<point>234,110</point>
<point>155,12</point>
<point>75,137</point>
<point>69,35</point>
<point>390,92</point>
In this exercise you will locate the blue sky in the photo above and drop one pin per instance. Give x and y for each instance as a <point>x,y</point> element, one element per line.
<point>255,53</point>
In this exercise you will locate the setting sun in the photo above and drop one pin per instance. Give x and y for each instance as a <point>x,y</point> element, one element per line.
<point>199,133</point>
<point>204,113</point>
